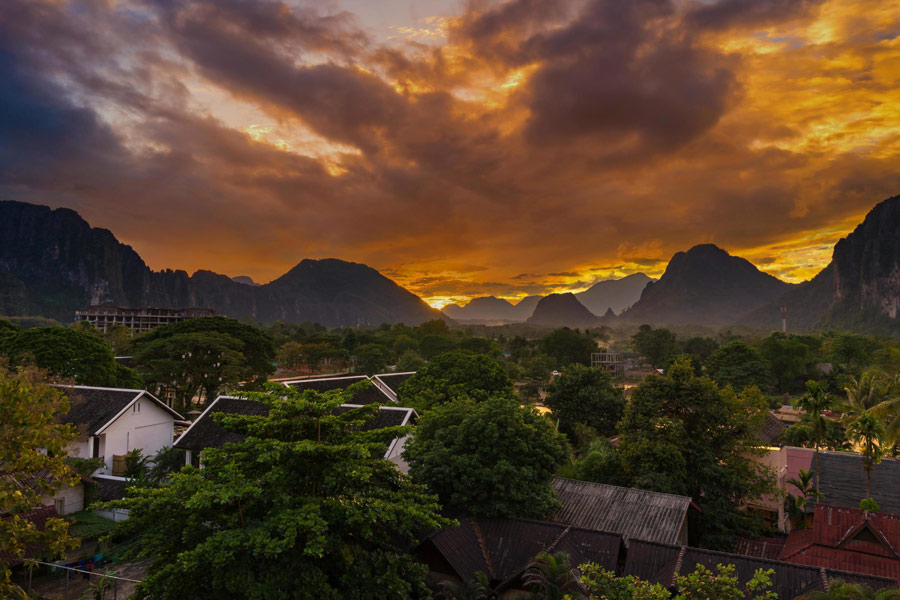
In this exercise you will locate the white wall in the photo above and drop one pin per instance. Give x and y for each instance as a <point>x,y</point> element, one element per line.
<point>79,447</point>
<point>73,496</point>
<point>144,425</point>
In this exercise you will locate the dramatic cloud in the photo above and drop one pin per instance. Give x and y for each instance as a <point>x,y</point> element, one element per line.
<point>517,147</point>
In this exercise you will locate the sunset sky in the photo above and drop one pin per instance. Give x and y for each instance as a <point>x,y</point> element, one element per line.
<point>461,148</point>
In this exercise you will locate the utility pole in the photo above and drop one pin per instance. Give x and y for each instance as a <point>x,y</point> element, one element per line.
<point>784,318</point>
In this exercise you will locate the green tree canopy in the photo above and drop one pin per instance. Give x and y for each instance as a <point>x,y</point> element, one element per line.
<point>304,507</point>
<point>69,354</point>
<point>28,411</point>
<point>257,347</point>
<point>492,458</point>
<point>371,359</point>
<point>738,365</point>
<point>682,434</point>
<point>453,375</point>
<point>410,361</point>
<point>792,359</point>
<point>657,346</point>
<point>568,346</point>
<point>585,395</point>
<point>193,363</point>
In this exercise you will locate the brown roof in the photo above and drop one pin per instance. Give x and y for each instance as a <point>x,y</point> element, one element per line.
<point>90,408</point>
<point>634,513</point>
<point>503,549</point>
<point>772,431</point>
<point>39,517</point>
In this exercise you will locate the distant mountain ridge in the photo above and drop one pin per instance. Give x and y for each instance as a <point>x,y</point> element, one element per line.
<point>705,286</point>
<point>52,263</point>
<point>615,294</point>
<point>858,291</point>
<point>562,310</point>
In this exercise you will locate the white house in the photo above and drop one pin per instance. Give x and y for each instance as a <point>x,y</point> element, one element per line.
<point>113,422</point>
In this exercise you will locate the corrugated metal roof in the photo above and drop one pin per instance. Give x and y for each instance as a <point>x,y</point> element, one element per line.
<point>370,394</point>
<point>848,539</point>
<point>39,517</point>
<point>504,548</point>
<point>772,431</point>
<point>843,481</point>
<point>638,514</point>
<point>764,547</point>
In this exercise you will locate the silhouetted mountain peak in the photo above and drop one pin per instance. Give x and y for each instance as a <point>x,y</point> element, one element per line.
<point>562,310</point>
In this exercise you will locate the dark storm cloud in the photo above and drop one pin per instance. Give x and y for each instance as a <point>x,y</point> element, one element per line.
<point>727,14</point>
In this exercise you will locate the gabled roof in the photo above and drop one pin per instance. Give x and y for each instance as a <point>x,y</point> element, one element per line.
<point>772,431</point>
<point>504,548</point>
<point>206,433</point>
<point>843,481</point>
<point>639,514</point>
<point>93,409</point>
<point>659,563</point>
<point>393,380</point>
<point>369,395</point>
<point>849,539</point>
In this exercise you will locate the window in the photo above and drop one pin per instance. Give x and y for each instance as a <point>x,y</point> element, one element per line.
<point>60,505</point>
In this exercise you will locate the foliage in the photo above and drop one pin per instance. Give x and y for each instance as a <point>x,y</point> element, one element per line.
<point>68,354</point>
<point>257,347</point>
<point>801,435</point>
<point>868,433</point>
<point>492,458</point>
<point>814,402</point>
<point>371,359</point>
<point>807,490</point>
<point>585,395</point>
<point>842,590</point>
<point>738,365</point>
<point>192,363</point>
<point>290,355</point>
<point>699,349</point>
<point>410,361</point>
<point>451,376</point>
<point>28,410</point>
<point>549,577</point>
<point>869,504</point>
<point>478,588</point>
<point>682,434</point>
<point>657,346</point>
<point>167,461</point>
<point>568,346</point>
<point>701,584</point>
<point>304,507</point>
<point>85,525</point>
<point>792,359</point>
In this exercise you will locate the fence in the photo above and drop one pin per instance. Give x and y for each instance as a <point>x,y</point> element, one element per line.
<point>73,581</point>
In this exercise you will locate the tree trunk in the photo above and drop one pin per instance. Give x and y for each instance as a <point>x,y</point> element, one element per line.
<point>868,492</point>
<point>817,470</point>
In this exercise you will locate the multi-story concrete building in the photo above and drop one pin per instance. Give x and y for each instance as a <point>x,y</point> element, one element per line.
<point>142,318</point>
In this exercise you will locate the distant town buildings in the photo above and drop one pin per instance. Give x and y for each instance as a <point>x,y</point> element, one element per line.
<point>143,318</point>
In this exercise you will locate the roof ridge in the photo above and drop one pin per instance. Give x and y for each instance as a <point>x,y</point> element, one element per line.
<point>558,539</point>
<point>678,562</point>
<point>624,487</point>
<point>479,537</point>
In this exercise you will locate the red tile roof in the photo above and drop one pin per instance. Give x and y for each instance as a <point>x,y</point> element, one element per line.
<point>850,540</point>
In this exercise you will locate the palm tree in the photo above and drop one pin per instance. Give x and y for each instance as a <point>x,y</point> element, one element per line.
<point>868,433</point>
<point>841,590</point>
<point>551,578</point>
<point>862,394</point>
<point>477,588</point>
<point>796,504</point>
<point>815,401</point>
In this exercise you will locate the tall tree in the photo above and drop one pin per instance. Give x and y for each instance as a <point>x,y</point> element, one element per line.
<point>371,359</point>
<point>682,434</point>
<point>453,375</point>
<point>568,346</point>
<point>657,346</point>
<point>493,458</point>
<point>868,433</point>
<point>738,365</point>
<point>32,463</point>
<point>585,395</point>
<point>814,402</point>
<point>69,353</point>
<point>257,347</point>
<point>304,507</point>
<point>195,363</point>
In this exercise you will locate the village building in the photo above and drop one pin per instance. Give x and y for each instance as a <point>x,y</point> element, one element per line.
<point>370,394</point>
<point>633,513</point>
<point>848,539</point>
<point>142,318</point>
<point>111,422</point>
<point>389,383</point>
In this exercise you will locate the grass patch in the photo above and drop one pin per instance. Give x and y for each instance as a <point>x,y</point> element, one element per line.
<point>88,526</point>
